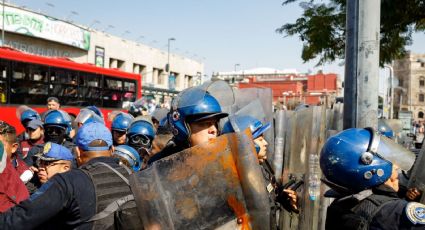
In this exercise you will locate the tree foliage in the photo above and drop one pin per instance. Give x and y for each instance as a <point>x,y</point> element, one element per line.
<point>321,28</point>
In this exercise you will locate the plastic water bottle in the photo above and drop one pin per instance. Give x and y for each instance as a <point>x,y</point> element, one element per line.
<point>313,177</point>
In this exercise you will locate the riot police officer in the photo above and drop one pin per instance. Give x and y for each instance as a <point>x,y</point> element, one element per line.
<point>57,127</point>
<point>80,198</point>
<point>278,196</point>
<point>119,127</point>
<point>194,118</point>
<point>128,156</point>
<point>140,136</point>
<point>25,115</point>
<point>361,167</point>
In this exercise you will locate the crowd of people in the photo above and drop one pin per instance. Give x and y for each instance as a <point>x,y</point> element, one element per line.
<point>56,176</point>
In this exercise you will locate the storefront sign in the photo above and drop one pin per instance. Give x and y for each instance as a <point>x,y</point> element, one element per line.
<point>41,26</point>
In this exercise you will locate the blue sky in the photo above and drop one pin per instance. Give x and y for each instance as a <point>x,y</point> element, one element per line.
<point>220,33</point>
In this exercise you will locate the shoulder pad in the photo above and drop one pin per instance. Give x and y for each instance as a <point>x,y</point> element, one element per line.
<point>415,212</point>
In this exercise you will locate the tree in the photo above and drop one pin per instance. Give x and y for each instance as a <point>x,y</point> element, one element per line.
<point>321,28</point>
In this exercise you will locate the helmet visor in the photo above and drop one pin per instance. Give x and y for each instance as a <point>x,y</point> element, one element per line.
<point>86,114</point>
<point>394,152</point>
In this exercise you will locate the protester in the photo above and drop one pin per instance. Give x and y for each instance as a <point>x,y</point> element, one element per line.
<point>10,142</point>
<point>12,189</point>
<point>53,103</point>
<point>361,168</point>
<point>77,199</point>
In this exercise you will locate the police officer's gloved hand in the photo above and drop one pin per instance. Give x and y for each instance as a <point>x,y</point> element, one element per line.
<point>287,196</point>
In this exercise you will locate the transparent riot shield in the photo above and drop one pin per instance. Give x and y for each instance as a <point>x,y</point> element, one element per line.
<point>216,185</point>
<point>265,98</point>
<point>20,110</point>
<point>160,113</point>
<point>221,91</point>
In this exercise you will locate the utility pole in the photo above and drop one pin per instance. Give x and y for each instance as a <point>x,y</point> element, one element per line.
<point>167,67</point>
<point>2,28</point>
<point>362,64</point>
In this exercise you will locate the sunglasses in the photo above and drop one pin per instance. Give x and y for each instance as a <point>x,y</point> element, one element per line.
<point>54,131</point>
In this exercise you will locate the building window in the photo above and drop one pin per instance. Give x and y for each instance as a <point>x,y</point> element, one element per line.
<point>422,64</point>
<point>422,81</point>
<point>421,115</point>
<point>421,97</point>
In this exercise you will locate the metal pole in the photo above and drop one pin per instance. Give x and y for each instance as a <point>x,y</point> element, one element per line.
<point>168,59</point>
<point>368,63</point>
<point>2,28</point>
<point>391,91</point>
<point>362,64</point>
<point>350,81</point>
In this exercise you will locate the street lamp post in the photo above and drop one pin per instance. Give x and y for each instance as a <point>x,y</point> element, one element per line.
<point>236,66</point>
<point>167,67</point>
<point>391,90</point>
<point>2,28</point>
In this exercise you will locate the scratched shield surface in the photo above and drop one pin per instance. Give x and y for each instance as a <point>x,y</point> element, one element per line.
<point>205,187</point>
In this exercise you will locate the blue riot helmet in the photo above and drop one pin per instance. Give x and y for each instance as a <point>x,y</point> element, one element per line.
<point>140,134</point>
<point>57,125</point>
<point>58,118</point>
<point>128,156</point>
<point>29,115</point>
<point>86,116</point>
<point>385,129</point>
<point>192,105</point>
<point>121,122</point>
<point>243,122</point>
<point>357,159</point>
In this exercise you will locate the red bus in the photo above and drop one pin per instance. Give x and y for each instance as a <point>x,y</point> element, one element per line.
<point>27,79</point>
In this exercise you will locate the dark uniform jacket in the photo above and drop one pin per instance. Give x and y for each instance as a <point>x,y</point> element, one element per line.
<point>381,210</point>
<point>171,148</point>
<point>66,201</point>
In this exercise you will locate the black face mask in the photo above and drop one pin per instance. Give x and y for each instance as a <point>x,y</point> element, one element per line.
<point>54,134</point>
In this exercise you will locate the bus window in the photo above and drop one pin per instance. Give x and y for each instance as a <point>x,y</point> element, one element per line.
<point>129,91</point>
<point>3,82</point>
<point>89,89</point>
<point>38,77</point>
<point>112,93</point>
<point>19,84</point>
<point>38,73</point>
<point>64,85</point>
